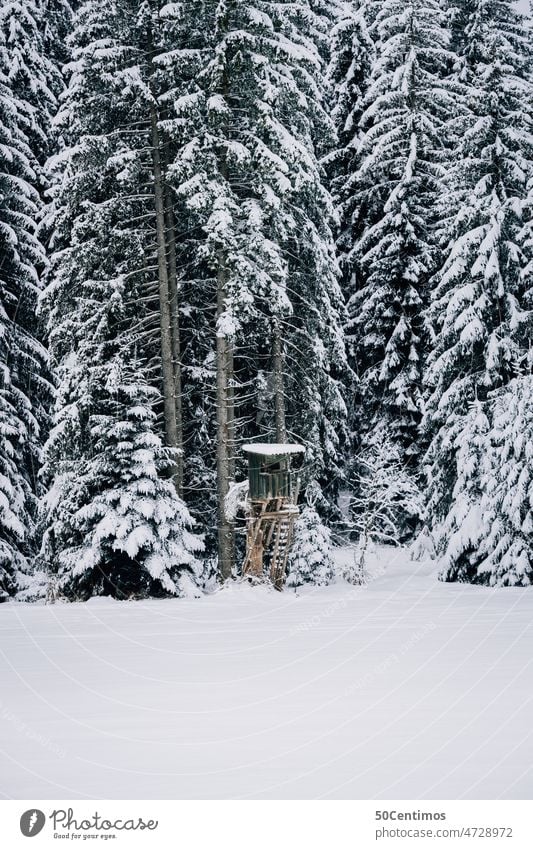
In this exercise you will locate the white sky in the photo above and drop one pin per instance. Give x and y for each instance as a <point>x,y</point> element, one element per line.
<point>523,5</point>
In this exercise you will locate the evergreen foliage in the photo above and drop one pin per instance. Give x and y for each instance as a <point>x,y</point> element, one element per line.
<point>114,521</point>
<point>351,60</point>
<point>29,82</point>
<point>296,222</point>
<point>310,560</point>
<point>399,174</point>
<point>250,188</point>
<point>33,76</point>
<point>489,526</point>
<point>507,486</point>
<point>481,305</point>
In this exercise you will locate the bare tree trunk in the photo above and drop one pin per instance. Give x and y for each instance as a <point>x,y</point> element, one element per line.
<point>231,412</point>
<point>224,379</point>
<point>224,358</point>
<point>167,367</point>
<point>278,359</point>
<point>175,334</point>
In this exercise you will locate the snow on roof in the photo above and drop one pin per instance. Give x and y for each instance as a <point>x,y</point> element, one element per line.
<point>273,449</point>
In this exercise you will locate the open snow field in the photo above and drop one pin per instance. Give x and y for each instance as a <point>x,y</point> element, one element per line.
<point>405,688</point>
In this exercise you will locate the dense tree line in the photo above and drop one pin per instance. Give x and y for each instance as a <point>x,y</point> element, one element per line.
<point>300,222</point>
<point>433,183</point>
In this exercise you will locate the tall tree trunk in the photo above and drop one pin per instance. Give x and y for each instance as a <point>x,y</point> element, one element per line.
<point>224,359</point>
<point>224,370</point>
<point>167,367</point>
<point>278,360</point>
<point>175,334</point>
<point>231,412</point>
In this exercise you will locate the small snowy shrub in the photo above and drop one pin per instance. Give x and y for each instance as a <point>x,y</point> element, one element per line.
<point>310,560</point>
<point>423,547</point>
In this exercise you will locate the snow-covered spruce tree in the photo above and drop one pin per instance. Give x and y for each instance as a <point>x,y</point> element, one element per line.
<point>115,525</point>
<point>505,556</point>
<point>489,526</point>
<point>464,526</point>
<point>310,560</point>
<point>29,83</point>
<point>481,303</point>
<point>400,166</point>
<point>114,522</point>
<point>352,54</point>
<point>18,245</point>
<point>250,188</point>
<point>351,57</point>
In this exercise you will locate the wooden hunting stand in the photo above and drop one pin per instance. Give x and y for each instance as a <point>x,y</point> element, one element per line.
<point>271,509</point>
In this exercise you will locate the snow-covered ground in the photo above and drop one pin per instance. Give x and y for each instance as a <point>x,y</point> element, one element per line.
<point>405,688</point>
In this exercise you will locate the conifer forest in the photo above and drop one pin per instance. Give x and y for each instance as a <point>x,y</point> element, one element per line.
<point>226,222</point>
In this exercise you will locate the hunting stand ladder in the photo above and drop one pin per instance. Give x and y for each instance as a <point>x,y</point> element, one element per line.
<point>271,509</point>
